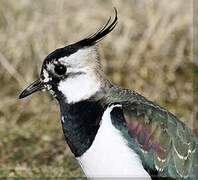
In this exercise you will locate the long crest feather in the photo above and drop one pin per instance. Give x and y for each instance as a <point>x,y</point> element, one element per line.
<point>100,34</point>
<point>88,41</point>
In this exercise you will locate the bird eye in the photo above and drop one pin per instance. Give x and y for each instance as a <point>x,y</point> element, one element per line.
<point>60,69</point>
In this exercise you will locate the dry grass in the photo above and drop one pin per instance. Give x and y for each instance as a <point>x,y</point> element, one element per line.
<point>149,51</point>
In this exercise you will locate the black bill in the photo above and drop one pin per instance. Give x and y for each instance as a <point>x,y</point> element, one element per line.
<point>33,87</point>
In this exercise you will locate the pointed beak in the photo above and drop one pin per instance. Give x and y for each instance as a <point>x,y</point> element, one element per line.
<point>33,87</point>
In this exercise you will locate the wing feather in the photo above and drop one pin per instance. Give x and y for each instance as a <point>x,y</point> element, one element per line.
<point>163,142</point>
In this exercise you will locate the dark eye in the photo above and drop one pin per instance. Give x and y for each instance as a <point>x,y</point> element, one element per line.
<point>60,69</point>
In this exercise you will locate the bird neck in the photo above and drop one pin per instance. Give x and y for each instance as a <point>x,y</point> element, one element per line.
<point>80,123</point>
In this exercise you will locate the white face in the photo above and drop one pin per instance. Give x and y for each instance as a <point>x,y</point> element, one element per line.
<point>74,76</point>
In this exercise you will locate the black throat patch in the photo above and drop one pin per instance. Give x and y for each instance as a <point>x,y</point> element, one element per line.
<point>80,124</point>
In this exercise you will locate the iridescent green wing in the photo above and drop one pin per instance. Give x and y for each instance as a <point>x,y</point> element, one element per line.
<point>166,146</point>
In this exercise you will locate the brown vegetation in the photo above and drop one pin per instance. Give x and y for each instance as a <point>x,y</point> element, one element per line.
<point>150,51</point>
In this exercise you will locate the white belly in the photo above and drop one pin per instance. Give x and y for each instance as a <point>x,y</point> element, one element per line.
<point>109,156</point>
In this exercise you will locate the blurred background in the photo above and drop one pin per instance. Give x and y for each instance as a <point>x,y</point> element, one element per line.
<point>150,51</point>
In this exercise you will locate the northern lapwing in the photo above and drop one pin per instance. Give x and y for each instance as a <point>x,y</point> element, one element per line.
<point>113,132</point>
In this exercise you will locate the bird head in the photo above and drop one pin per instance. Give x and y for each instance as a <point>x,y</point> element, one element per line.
<point>73,72</point>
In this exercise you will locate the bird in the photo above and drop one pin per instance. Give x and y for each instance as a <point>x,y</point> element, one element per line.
<point>113,131</point>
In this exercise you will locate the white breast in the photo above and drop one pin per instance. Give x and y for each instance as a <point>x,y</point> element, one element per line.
<point>109,156</point>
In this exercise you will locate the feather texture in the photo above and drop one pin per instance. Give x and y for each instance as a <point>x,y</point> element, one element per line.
<point>91,40</point>
<point>165,145</point>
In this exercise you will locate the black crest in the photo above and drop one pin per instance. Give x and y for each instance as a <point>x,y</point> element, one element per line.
<point>88,41</point>
<point>101,33</point>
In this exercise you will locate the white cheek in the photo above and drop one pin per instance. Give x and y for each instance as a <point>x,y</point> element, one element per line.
<point>79,88</point>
